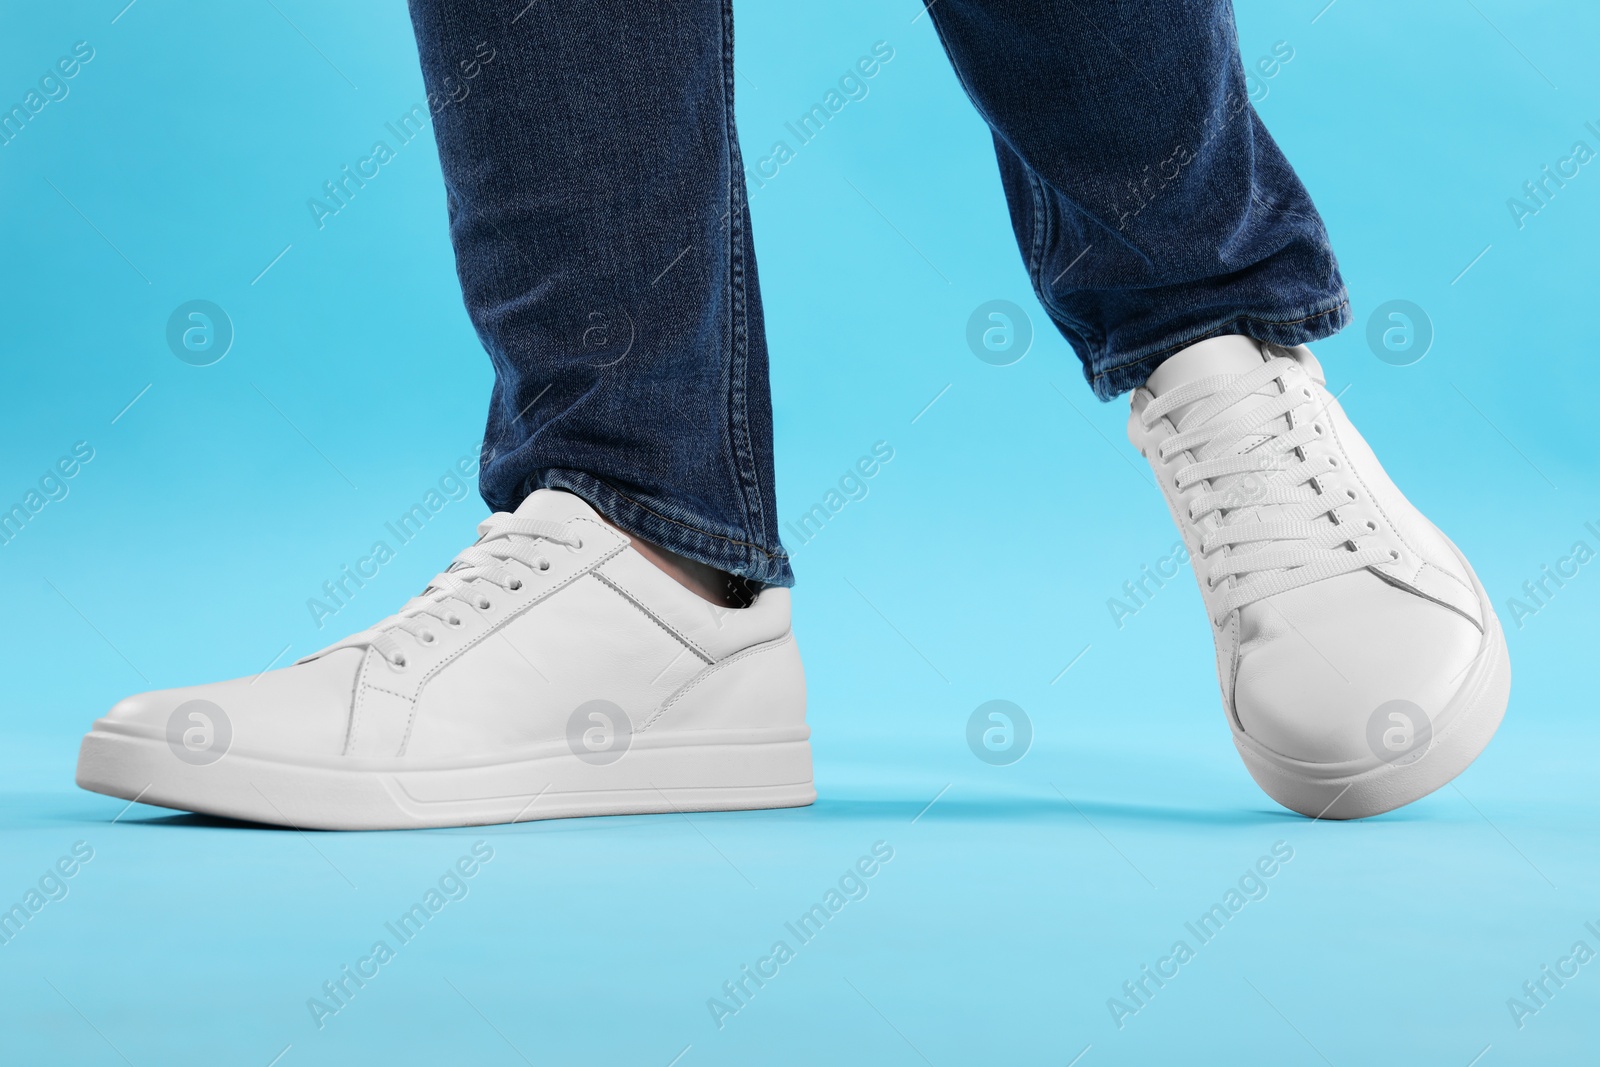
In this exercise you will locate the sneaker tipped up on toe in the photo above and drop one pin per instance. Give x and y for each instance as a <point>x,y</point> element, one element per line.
<point>1361,664</point>
<point>551,671</point>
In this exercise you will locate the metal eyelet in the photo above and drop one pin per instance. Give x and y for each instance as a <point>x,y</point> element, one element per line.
<point>514,584</point>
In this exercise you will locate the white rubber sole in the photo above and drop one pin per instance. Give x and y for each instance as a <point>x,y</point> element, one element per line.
<point>682,772</point>
<point>1360,789</point>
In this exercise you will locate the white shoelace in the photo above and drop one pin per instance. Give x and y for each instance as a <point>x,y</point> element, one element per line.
<point>504,539</point>
<point>1283,531</point>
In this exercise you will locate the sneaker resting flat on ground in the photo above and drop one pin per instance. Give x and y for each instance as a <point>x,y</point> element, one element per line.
<point>1361,664</point>
<point>550,671</point>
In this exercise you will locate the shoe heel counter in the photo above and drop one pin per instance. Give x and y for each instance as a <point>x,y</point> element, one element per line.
<point>761,688</point>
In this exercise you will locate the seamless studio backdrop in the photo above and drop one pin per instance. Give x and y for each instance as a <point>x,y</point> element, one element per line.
<point>194,508</point>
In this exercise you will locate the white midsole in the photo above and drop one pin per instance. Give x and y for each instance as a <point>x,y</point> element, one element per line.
<point>671,774</point>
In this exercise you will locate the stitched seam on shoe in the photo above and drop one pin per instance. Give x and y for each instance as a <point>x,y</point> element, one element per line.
<point>422,682</point>
<point>1417,591</point>
<point>1350,467</point>
<point>1236,641</point>
<point>411,709</point>
<point>689,686</point>
<point>1471,592</point>
<point>357,703</point>
<point>358,718</point>
<point>628,598</point>
<point>1394,527</point>
<point>354,727</point>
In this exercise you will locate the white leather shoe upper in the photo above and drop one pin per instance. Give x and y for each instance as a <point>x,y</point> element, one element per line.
<point>293,713</point>
<point>549,610</point>
<point>1330,594</point>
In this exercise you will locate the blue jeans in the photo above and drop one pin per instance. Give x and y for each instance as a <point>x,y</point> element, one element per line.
<point>598,212</point>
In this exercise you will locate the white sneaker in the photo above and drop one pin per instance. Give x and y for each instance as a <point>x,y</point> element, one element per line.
<point>1361,663</point>
<point>550,671</point>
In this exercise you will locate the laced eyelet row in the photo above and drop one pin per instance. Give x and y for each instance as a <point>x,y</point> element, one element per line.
<point>427,637</point>
<point>467,580</point>
<point>1311,539</point>
<point>483,603</point>
<point>541,564</point>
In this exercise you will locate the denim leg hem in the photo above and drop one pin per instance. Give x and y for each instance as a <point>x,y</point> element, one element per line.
<point>677,533</point>
<point>1112,382</point>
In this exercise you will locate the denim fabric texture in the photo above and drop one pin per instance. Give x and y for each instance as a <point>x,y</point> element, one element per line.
<point>598,212</point>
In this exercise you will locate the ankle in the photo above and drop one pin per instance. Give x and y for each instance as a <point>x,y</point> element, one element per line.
<point>703,580</point>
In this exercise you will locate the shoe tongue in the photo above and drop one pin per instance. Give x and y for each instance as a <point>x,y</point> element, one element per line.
<point>1216,355</point>
<point>555,505</point>
<point>1231,356</point>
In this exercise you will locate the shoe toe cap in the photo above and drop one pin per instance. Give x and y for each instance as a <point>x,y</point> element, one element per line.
<point>1330,679</point>
<point>300,710</point>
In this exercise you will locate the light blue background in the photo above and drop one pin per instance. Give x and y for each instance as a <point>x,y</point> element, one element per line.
<point>978,567</point>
